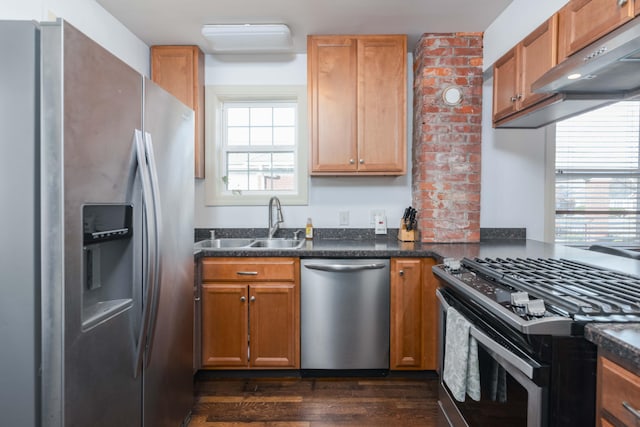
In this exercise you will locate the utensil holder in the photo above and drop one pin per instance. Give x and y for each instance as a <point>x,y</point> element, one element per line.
<point>405,235</point>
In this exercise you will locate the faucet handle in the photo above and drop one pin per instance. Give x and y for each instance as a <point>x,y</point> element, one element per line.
<point>295,234</point>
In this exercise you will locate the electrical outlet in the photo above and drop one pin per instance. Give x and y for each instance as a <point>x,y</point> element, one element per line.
<point>373,214</point>
<point>344,217</point>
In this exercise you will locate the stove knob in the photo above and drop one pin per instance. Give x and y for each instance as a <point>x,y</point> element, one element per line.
<point>535,308</point>
<point>452,264</point>
<point>519,299</point>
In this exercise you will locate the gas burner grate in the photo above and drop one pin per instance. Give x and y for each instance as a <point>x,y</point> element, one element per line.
<point>578,288</point>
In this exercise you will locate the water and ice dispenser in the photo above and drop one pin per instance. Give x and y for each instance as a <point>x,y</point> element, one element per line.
<point>108,267</point>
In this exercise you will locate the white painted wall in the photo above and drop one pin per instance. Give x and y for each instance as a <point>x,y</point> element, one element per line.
<point>90,18</point>
<point>513,164</point>
<point>513,160</point>
<point>327,195</point>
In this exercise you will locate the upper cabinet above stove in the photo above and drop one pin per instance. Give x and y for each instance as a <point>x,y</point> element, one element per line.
<point>521,66</point>
<point>585,21</point>
<point>591,36</point>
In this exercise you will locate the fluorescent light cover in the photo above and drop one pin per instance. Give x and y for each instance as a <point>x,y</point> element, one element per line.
<point>248,38</point>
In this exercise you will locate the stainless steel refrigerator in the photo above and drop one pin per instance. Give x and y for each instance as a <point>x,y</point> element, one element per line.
<point>96,225</point>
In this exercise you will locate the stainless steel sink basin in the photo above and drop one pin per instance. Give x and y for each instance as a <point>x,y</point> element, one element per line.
<point>277,243</point>
<point>224,243</point>
<point>248,243</point>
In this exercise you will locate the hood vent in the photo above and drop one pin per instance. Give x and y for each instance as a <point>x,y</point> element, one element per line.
<point>611,66</point>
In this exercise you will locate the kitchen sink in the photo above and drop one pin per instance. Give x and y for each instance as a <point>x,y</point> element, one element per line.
<point>277,243</point>
<point>224,243</point>
<point>248,243</point>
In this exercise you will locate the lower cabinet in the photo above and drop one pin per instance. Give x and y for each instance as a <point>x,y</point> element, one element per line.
<point>618,395</point>
<point>413,314</point>
<point>250,313</point>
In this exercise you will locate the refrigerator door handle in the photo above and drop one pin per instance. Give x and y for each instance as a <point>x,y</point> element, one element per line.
<point>157,264</point>
<point>151,244</point>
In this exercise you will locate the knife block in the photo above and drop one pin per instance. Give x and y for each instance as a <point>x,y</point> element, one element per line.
<point>405,235</point>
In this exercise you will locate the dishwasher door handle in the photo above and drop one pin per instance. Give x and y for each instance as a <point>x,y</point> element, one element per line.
<point>345,267</point>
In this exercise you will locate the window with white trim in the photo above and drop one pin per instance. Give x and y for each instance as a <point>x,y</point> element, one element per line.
<point>597,177</point>
<point>258,146</point>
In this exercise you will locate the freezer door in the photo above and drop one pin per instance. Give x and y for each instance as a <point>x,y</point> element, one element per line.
<point>19,226</point>
<point>168,371</point>
<point>92,104</point>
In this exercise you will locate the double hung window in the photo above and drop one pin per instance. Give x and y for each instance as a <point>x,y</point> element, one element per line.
<point>258,146</point>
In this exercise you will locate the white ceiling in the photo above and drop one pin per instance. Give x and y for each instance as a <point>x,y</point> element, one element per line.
<point>180,21</point>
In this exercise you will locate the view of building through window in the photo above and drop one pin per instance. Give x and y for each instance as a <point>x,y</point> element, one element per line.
<point>597,176</point>
<point>259,145</point>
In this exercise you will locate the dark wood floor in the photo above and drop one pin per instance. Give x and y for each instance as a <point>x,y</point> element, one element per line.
<point>315,402</point>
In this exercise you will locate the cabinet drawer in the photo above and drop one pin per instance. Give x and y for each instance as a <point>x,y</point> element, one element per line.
<point>618,386</point>
<point>249,269</point>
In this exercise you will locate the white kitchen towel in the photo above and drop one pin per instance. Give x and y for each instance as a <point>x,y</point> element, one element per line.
<point>498,383</point>
<point>461,369</point>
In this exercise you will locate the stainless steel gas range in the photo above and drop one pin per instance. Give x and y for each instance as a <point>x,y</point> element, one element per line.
<point>527,361</point>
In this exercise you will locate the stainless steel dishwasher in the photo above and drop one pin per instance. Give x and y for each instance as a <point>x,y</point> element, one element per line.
<point>344,314</point>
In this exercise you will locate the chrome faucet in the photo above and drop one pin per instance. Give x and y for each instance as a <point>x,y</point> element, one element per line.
<point>279,218</point>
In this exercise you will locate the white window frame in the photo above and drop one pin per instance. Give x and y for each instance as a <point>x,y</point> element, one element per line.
<point>216,193</point>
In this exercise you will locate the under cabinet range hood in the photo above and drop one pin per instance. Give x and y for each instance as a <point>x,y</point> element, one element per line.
<point>610,66</point>
<point>560,106</point>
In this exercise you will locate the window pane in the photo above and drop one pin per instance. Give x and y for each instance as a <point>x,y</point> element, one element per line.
<point>603,139</point>
<point>259,164</point>
<point>284,136</point>
<point>252,130</point>
<point>261,117</point>
<point>237,116</point>
<point>590,229</point>
<point>261,136</point>
<point>597,176</point>
<point>284,116</point>
<point>238,136</point>
<point>237,178</point>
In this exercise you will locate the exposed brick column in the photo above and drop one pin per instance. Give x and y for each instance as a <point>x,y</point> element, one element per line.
<point>446,139</point>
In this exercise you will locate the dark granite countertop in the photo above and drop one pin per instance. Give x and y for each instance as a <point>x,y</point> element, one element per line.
<point>619,341</point>
<point>385,248</point>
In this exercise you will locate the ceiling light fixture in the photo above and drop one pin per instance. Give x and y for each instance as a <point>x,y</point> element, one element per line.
<point>248,38</point>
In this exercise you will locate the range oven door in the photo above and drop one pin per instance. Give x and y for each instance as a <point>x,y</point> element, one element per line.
<point>514,387</point>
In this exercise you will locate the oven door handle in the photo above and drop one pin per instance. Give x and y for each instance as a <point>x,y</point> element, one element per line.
<point>498,351</point>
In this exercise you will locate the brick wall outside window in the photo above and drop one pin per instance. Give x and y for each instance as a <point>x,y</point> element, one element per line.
<point>446,139</point>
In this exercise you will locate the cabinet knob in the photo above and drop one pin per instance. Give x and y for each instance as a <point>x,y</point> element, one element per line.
<point>362,161</point>
<point>243,298</point>
<point>252,299</point>
<point>351,161</point>
<point>401,272</point>
<point>513,99</point>
<point>622,2</point>
<point>519,96</point>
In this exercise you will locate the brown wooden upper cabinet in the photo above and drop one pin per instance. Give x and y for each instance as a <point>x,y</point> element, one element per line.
<point>515,71</point>
<point>357,104</point>
<point>584,21</point>
<point>637,7</point>
<point>180,70</point>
